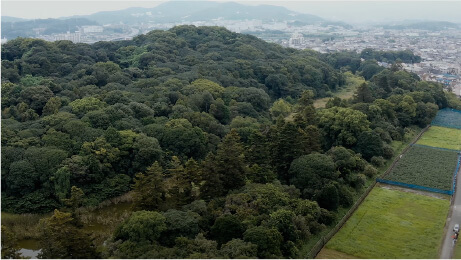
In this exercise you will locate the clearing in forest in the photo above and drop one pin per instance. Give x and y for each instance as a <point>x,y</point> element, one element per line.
<point>443,137</point>
<point>392,224</point>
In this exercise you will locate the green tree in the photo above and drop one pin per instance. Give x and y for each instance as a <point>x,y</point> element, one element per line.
<point>10,248</point>
<point>227,227</point>
<point>239,249</point>
<point>231,166</point>
<point>149,189</point>
<point>363,94</point>
<point>60,238</point>
<point>342,126</point>
<point>268,241</point>
<point>141,226</point>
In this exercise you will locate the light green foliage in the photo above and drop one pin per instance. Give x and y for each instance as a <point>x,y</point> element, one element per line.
<point>84,105</point>
<point>280,108</point>
<point>391,224</point>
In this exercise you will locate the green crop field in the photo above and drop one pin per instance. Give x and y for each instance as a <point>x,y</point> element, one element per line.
<point>426,166</point>
<point>392,224</point>
<point>448,118</point>
<point>436,136</point>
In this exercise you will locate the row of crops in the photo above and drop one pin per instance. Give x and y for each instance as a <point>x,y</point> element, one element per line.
<point>433,160</point>
<point>448,117</point>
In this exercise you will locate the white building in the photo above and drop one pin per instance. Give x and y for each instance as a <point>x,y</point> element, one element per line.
<point>296,39</point>
<point>73,37</point>
<point>92,29</point>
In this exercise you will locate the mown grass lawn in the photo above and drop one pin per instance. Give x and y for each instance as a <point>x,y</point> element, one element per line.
<point>393,224</point>
<point>443,137</point>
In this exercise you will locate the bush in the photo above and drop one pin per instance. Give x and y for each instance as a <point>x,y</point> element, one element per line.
<point>388,152</point>
<point>377,161</point>
<point>370,171</point>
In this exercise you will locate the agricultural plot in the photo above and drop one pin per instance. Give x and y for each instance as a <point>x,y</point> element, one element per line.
<point>426,166</point>
<point>448,118</point>
<point>391,224</point>
<point>436,136</point>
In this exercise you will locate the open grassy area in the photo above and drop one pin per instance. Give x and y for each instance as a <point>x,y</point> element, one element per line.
<point>346,92</point>
<point>443,137</point>
<point>426,166</point>
<point>393,224</point>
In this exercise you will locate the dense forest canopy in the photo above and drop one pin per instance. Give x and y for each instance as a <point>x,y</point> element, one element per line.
<point>214,132</point>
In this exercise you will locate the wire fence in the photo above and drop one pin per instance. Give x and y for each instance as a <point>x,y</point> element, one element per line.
<point>456,172</point>
<point>416,187</point>
<point>322,242</point>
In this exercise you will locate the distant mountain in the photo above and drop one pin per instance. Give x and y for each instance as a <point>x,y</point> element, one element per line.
<point>12,19</point>
<point>423,25</point>
<point>30,28</point>
<point>191,11</point>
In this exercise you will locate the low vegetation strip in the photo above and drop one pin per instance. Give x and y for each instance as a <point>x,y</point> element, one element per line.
<point>442,137</point>
<point>393,224</point>
<point>448,117</point>
<point>427,167</point>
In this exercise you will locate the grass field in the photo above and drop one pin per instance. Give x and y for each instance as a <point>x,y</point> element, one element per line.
<point>448,118</point>
<point>346,92</point>
<point>392,224</point>
<point>426,166</point>
<point>436,136</point>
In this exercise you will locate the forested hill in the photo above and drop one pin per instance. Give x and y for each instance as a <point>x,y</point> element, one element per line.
<point>185,53</point>
<point>215,134</point>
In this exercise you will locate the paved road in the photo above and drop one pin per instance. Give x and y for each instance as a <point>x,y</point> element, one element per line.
<point>455,218</point>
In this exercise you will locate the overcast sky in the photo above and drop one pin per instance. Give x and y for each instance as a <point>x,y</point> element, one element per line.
<point>348,11</point>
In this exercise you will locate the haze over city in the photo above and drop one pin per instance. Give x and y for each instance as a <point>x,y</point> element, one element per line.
<point>347,11</point>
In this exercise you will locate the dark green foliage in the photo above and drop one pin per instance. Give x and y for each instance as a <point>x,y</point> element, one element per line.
<point>60,238</point>
<point>268,241</point>
<point>311,172</point>
<point>226,228</point>
<point>328,197</point>
<point>228,116</point>
<point>141,226</point>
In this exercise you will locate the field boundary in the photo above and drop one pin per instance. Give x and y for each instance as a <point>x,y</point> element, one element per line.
<point>437,148</point>
<point>324,239</point>
<point>396,160</point>
<point>413,186</point>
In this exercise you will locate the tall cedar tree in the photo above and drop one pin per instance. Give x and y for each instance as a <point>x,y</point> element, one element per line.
<point>288,143</point>
<point>226,170</point>
<point>149,189</point>
<point>231,165</point>
<point>363,94</point>
<point>183,183</point>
